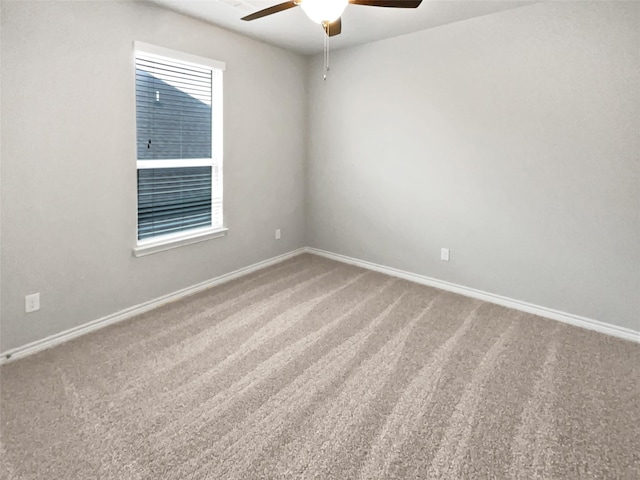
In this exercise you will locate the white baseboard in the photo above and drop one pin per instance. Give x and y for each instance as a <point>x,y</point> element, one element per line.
<point>564,317</point>
<point>58,338</point>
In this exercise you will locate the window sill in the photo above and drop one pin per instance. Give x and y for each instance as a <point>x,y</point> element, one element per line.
<point>170,243</point>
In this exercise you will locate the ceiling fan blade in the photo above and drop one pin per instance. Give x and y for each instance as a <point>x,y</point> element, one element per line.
<point>333,28</point>
<point>388,3</point>
<point>270,11</point>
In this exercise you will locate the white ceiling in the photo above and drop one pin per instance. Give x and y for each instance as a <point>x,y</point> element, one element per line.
<point>291,29</point>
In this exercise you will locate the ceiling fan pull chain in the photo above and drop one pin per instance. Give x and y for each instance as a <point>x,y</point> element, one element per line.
<point>328,37</point>
<point>326,50</point>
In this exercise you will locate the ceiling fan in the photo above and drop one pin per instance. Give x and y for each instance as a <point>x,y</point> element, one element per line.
<point>328,12</point>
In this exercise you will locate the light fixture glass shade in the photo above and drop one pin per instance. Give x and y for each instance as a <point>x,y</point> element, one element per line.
<point>324,11</point>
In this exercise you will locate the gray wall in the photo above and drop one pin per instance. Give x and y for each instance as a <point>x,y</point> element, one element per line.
<point>511,139</point>
<point>69,162</point>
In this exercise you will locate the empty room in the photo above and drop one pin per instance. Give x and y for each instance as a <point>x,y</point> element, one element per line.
<point>319,239</point>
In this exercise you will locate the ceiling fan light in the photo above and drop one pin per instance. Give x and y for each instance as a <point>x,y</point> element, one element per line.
<point>324,11</point>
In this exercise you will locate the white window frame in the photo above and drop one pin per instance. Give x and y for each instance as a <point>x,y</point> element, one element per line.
<point>173,240</point>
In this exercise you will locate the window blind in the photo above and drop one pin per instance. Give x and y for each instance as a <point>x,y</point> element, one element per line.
<point>173,199</point>
<point>173,109</point>
<point>179,180</point>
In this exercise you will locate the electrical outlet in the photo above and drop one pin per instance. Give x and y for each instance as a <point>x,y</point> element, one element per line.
<point>444,254</point>
<point>278,234</point>
<point>32,303</point>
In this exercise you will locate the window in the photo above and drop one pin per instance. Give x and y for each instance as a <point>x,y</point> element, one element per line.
<point>179,147</point>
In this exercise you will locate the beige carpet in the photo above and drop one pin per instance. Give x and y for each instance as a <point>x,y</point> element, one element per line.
<point>314,369</point>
